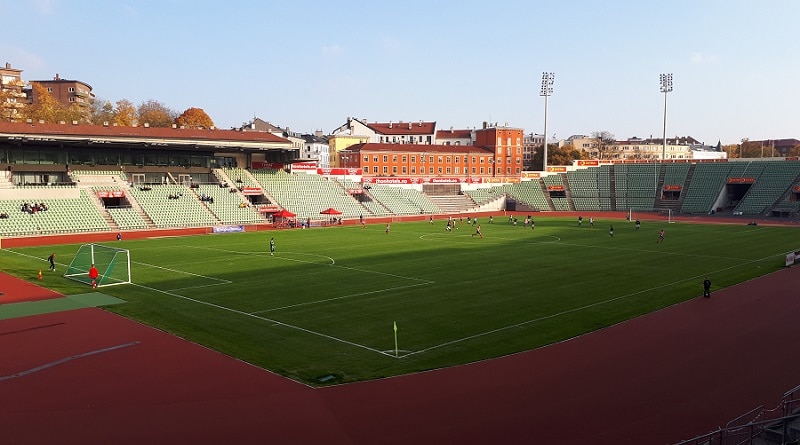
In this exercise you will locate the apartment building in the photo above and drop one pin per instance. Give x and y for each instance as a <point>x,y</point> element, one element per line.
<point>506,145</point>
<point>456,162</point>
<point>65,91</point>
<point>12,95</point>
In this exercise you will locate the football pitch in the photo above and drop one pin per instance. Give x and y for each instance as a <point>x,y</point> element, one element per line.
<point>347,303</point>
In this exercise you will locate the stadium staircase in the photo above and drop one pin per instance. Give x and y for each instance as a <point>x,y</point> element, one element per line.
<point>102,209</point>
<point>5,180</point>
<point>150,224</point>
<point>450,204</point>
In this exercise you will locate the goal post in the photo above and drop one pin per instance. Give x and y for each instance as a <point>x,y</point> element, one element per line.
<point>660,213</point>
<point>113,265</point>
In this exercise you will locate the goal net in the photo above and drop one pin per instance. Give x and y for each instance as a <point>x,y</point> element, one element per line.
<point>113,265</point>
<point>650,213</point>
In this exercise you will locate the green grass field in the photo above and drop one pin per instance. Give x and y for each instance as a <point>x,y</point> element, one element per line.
<point>322,310</point>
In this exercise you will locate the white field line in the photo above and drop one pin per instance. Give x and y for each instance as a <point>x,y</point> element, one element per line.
<point>64,360</point>
<point>276,322</point>
<point>360,294</point>
<point>577,309</point>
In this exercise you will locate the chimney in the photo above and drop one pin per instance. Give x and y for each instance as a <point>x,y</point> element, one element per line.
<point>409,125</point>
<point>8,65</point>
<point>390,124</point>
<point>56,78</point>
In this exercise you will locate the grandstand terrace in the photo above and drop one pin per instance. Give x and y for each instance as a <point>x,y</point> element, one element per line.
<point>105,178</point>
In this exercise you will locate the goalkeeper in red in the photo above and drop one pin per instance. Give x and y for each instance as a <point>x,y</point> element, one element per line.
<point>93,274</point>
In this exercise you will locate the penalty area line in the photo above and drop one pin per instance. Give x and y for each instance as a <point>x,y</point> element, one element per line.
<point>275,322</point>
<point>578,309</point>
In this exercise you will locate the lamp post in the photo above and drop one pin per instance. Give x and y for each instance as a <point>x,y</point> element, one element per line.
<point>547,90</point>
<point>666,87</point>
<point>344,159</point>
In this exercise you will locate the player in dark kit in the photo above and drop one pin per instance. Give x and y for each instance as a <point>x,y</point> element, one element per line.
<point>272,246</point>
<point>707,288</point>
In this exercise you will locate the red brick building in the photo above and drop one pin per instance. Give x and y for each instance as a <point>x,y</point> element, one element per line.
<point>507,146</point>
<point>465,162</point>
<point>67,92</point>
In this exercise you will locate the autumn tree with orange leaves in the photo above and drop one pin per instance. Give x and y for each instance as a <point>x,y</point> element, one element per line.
<point>125,113</point>
<point>194,118</point>
<point>48,109</point>
<point>156,114</point>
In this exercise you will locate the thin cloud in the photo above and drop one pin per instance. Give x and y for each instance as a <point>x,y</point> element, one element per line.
<point>699,58</point>
<point>44,6</point>
<point>332,50</point>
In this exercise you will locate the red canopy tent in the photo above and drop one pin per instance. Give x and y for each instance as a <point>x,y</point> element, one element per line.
<point>330,211</point>
<point>283,214</point>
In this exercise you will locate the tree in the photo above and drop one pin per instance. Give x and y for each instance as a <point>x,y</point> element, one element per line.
<point>750,149</point>
<point>557,156</point>
<point>125,113</point>
<point>194,118</point>
<point>11,107</point>
<point>732,150</point>
<point>605,141</point>
<point>46,108</point>
<point>156,114</point>
<point>794,151</point>
<point>102,111</point>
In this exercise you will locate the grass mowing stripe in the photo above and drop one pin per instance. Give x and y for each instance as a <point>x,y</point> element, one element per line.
<point>446,291</point>
<point>276,322</point>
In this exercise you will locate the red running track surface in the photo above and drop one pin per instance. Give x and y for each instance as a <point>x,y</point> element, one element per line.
<point>660,378</point>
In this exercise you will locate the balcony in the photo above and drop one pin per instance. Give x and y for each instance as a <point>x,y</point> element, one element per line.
<point>81,93</point>
<point>13,83</point>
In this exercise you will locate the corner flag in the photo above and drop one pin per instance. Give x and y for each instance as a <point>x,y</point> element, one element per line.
<point>395,340</point>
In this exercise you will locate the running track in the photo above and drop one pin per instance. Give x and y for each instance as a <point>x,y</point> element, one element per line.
<point>90,377</point>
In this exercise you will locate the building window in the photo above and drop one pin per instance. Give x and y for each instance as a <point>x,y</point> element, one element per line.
<point>394,158</point>
<point>366,158</point>
<point>413,170</point>
<point>71,89</point>
<point>385,169</point>
<point>439,158</point>
<point>448,159</point>
<point>49,89</point>
<point>430,170</point>
<point>394,170</point>
<point>430,159</point>
<point>375,169</point>
<point>457,159</point>
<point>447,170</point>
<point>385,158</point>
<point>374,159</point>
<point>413,159</point>
<point>439,170</point>
<point>457,170</point>
<point>405,158</point>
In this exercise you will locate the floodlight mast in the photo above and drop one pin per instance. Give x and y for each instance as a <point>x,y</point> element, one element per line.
<point>547,90</point>
<point>666,87</point>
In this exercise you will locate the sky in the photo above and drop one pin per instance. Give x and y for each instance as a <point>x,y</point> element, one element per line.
<point>309,65</point>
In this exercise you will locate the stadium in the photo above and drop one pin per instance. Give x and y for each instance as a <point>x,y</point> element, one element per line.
<point>374,323</point>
